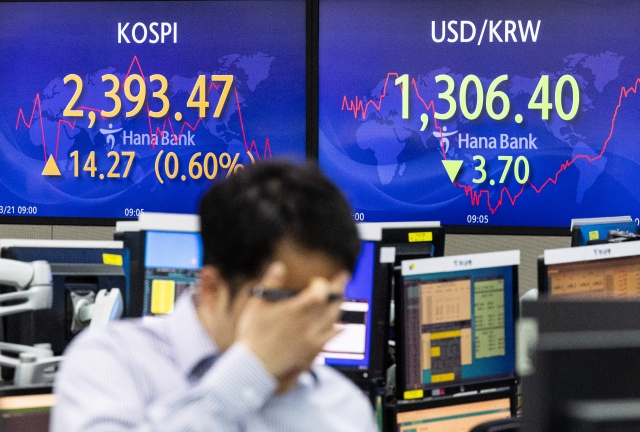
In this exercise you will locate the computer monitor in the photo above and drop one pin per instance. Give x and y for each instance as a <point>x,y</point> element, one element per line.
<point>584,381</point>
<point>595,231</point>
<point>25,409</point>
<point>578,315</point>
<point>547,315</point>
<point>454,414</point>
<point>455,323</point>
<point>78,269</point>
<point>359,351</point>
<point>172,263</point>
<point>373,230</point>
<point>414,243</point>
<point>609,270</point>
<point>131,233</point>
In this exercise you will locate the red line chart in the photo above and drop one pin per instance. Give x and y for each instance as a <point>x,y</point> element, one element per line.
<point>360,107</point>
<point>250,145</point>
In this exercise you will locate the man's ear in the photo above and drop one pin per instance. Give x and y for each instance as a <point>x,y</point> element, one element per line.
<point>211,283</point>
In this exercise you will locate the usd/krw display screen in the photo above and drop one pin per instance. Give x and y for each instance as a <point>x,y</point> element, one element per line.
<point>490,113</point>
<point>108,109</point>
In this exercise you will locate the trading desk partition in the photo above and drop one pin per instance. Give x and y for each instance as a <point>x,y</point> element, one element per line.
<point>455,323</point>
<point>609,270</point>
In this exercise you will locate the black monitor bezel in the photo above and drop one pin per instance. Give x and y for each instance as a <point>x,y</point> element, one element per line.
<point>392,236</point>
<point>134,242</point>
<point>575,236</point>
<point>510,393</point>
<point>30,390</point>
<point>543,277</point>
<point>577,315</point>
<point>459,387</point>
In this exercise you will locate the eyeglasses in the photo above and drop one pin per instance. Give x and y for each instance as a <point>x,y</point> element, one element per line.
<point>277,294</point>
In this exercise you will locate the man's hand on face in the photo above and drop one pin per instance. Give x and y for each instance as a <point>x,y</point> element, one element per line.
<point>287,335</point>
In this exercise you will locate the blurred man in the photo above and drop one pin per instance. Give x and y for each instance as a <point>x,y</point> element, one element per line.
<point>279,246</point>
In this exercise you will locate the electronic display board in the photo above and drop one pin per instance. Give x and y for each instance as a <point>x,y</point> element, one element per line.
<point>108,109</point>
<point>481,113</point>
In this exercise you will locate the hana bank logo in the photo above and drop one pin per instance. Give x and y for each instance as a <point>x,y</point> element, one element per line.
<point>443,137</point>
<point>108,133</point>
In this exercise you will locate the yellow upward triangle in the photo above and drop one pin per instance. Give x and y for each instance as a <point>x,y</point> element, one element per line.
<point>51,168</point>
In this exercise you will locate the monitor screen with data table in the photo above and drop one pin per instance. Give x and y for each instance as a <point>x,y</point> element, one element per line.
<point>455,317</point>
<point>599,271</point>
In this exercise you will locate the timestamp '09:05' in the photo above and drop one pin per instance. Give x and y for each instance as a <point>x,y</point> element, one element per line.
<point>133,212</point>
<point>477,219</point>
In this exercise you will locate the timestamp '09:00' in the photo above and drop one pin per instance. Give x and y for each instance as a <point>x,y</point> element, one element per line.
<point>19,210</point>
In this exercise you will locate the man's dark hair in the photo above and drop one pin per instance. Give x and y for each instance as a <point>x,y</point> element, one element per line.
<point>245,217</point>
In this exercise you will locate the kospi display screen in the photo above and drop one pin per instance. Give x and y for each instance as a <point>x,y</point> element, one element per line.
<point>108,109</point>
<point>481,113</point>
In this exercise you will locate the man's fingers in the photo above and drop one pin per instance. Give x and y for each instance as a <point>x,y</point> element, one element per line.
<point>330,316</point>
<point>320,291</point>
<point>337,286</point>
<point>313,296</point>
<point>341,280</point>
<point>274,276</point>
<point>330,334</point>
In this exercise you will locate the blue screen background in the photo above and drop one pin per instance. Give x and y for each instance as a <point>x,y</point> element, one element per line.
<point>175,250</point>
